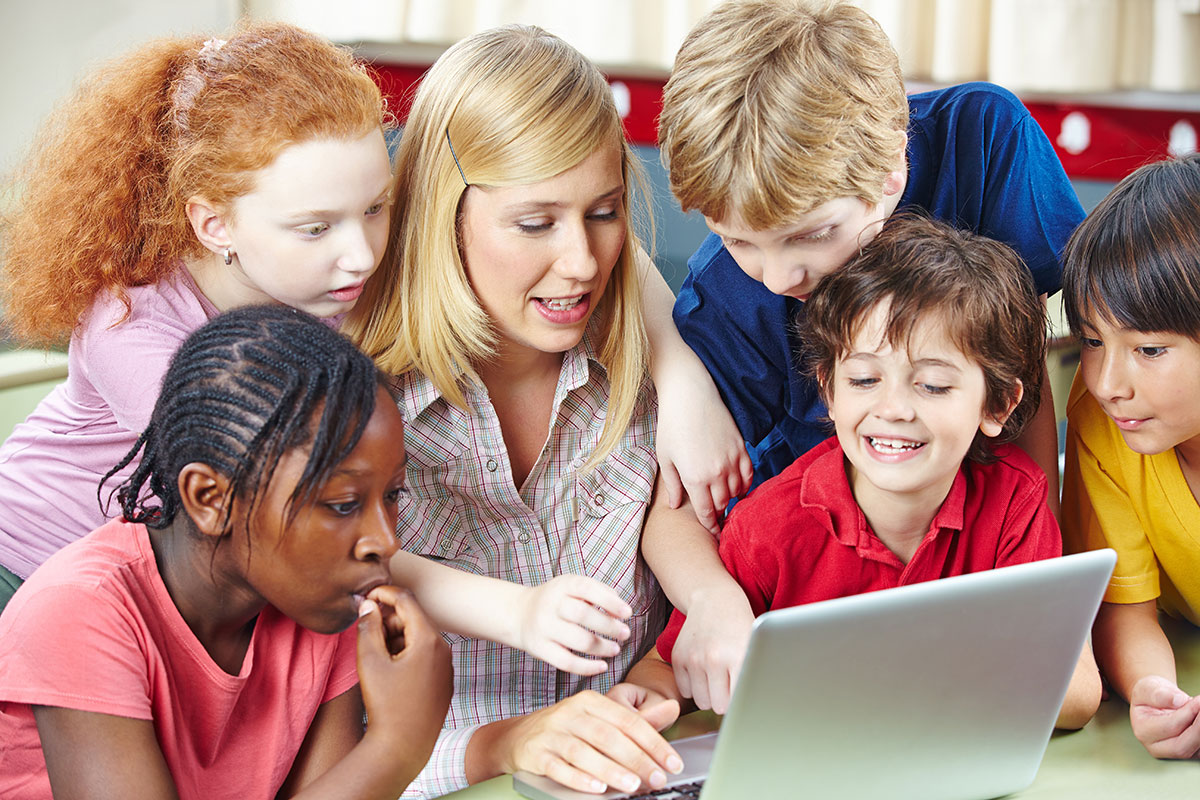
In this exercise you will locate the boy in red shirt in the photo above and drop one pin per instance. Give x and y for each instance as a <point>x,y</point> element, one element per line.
<point>928,349</point>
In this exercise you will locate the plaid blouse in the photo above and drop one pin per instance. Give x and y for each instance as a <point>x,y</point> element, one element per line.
<point>462,509</point>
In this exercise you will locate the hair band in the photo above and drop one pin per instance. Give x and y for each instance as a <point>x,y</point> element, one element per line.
<point>454,155</point>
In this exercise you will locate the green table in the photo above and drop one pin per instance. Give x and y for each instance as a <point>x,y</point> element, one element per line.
<point>1101,762</point>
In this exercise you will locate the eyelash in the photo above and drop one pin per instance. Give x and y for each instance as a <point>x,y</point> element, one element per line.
<point>608,216</point>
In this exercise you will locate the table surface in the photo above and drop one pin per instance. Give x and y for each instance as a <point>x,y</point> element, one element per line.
<point>1101,762</point>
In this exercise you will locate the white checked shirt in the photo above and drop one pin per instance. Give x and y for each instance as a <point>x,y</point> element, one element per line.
<point>463,510</point>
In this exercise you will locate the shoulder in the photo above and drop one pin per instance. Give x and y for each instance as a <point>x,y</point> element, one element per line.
<point>795,499</point>
<point>171,304</point>
<point>967,101</point>
<point>1011,477</point>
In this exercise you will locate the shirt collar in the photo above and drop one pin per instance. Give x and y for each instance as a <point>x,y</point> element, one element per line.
<point>826,489</point>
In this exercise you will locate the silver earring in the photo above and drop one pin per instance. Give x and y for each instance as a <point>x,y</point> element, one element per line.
<point>228,256</point>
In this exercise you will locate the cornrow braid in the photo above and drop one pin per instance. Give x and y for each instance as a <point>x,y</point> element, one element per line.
<point>240,392</point>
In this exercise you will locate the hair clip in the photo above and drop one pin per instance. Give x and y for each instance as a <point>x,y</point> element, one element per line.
<point>454,155</point>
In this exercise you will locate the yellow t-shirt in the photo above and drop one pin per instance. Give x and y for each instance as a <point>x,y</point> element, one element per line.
<point>1138,505</point>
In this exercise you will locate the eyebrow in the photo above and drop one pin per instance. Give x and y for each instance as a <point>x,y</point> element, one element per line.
<point>536,205</point>
<point>310,213</point>
<point>920,362</point>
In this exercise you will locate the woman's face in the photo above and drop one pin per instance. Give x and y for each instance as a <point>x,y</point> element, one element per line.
<point>315,226</point>
<point>539,255</point>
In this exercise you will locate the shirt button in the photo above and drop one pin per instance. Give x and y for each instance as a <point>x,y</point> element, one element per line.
<point>523,538</point>
<point>599,498</point>
<point>444,546</point>
<point>491,465</point>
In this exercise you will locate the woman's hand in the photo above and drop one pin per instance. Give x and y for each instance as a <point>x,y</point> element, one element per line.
<point>590,742</point>
<point>570,615</point>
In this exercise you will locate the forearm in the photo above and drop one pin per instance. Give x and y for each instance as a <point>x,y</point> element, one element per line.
<point>458,601</point>
<point>683,555</point>
<point>375,768</point>
<point>1130,644</point>
<point>1083,693</point>
<point>1040,441</point>
<point>488,751</point>
<point>668,351</point>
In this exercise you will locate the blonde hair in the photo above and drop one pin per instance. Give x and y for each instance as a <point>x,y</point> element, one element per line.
<point>519,105</point>
<point>777,106</point>
<point>100,200</point>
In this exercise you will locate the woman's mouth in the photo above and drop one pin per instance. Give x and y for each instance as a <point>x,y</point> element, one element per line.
<point>564,310</point>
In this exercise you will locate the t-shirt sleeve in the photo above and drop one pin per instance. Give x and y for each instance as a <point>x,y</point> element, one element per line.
<point>343,676</point>
<point>66,647</point>
<point>739,330</point>
<point>1031,533</point>
<point>1098,512</point>
<point>126,365</point>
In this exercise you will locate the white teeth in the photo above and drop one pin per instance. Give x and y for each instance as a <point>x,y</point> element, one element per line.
<point>893,446</point>
<point>561,304</point>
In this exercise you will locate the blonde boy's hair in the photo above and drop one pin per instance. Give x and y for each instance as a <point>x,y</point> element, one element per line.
<point>777,106</point>
<point>518,105</point>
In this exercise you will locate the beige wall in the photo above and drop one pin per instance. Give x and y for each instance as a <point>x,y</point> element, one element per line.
<point>45,45</point>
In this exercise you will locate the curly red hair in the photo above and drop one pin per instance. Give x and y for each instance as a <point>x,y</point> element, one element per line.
<point>100,200</point>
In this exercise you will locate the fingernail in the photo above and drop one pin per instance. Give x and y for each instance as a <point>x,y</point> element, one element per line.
<point>630,783</point>
<point>366,607</point>
<point>599,787</point>
<point>675,764</point>
<point>657,779</point>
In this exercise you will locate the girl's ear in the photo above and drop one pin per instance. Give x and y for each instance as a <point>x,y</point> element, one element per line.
<point>208,224</point>
<point>992,425</point>
<point>204,493</point>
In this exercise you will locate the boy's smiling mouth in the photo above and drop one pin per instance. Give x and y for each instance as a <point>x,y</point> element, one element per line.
<point>890,445</point>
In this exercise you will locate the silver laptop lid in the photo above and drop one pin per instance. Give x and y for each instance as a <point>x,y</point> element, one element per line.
<point>945,689</point>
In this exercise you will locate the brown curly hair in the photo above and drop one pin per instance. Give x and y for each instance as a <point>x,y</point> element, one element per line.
<point>923,269</point>
<point>99,202</point>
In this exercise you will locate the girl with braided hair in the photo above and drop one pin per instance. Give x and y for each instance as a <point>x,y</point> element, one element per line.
<point>205,645</point>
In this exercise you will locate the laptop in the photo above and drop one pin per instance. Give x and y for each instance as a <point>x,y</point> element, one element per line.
<point>945,690</point>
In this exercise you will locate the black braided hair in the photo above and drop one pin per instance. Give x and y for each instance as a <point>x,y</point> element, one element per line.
<point>241,391</point>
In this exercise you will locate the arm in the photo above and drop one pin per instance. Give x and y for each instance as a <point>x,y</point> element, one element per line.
<point>699,447</point>
<point>709,651</point>
<point>1083,693</point>
<point>1137,659</point>
<point>567,615</point>
<point>1040,441</point>
<point>98,756</point>
<point>657,676</point>
<point>404,666</point>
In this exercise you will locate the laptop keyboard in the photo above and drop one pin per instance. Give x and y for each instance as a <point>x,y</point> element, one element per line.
<point>684,791</point>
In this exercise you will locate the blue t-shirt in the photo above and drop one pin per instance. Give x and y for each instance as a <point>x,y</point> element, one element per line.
<point>976,159</point>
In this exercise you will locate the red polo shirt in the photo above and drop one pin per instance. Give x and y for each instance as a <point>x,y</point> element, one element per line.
<point>801,537</point>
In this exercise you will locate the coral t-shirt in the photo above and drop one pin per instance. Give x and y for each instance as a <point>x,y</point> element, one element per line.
<point>94,629</point>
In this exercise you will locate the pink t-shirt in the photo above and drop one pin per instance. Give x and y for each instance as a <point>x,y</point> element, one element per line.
<point>51,465</point>
<point>95,630</point>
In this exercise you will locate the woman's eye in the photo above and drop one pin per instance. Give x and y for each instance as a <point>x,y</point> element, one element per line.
<point>314,230</point>
<point>534,227</point>
<point>375,209</point>
<point>604,214</point>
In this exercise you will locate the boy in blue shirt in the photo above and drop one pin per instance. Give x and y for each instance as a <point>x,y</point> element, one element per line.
<point>786,124</point>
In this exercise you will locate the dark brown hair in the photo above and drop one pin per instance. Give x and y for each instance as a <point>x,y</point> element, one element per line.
<point>1135,260</point>
<point>976,287</point>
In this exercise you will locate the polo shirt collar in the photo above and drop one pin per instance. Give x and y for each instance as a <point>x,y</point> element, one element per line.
<point>826,488</point>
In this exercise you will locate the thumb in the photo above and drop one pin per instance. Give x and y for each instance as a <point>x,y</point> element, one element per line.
<point>371,641</point>
<point>660,714</point>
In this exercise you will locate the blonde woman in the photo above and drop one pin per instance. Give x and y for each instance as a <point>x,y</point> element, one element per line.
<point>511,311</point>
